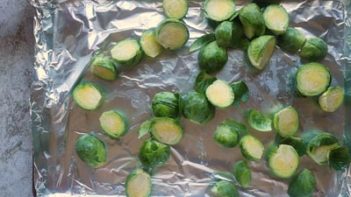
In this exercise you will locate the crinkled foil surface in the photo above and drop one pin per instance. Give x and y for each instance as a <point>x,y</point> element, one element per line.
<point>67,34</point>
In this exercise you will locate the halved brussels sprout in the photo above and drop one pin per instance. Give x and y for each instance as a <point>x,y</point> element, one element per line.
<point>259,121</point>
<point>229,132</point>
<point>241,91</point>
<point>104,67</point>
<point>252,20</point>
<point>172,34</point>
<point>87,95</point>
<point>154,154</point>
<point>212,58</point>
<point>286,122</point>
<point>138,184</point>
<point>165,104</point>
<point>283,160</point>
<point>314,49</point>
<point>224,189</point>
<point>261,50</point>
<point>91,150</point>
<point>332,99</point>
<point>251,148</point>
<point>127,52</point>
<point>196,108</point>
<point>242,173</point>
<point>202,81</point>
<point>219,10</point>
<point>114,123</point>
<point>276,19</point>
<point>339,158</point>
<point>175,8</point>
<point>220,94</point>
<point>292,40</point>
<point>295,142</point>
<point>228,34</point>
<point>166,130</point>
<point>303,184</point>
<point>149,44</point>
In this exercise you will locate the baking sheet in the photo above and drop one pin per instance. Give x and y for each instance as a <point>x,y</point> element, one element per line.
<point>67,34</point>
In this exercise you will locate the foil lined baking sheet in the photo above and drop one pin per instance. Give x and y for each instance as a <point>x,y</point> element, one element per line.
<point>69,32</point>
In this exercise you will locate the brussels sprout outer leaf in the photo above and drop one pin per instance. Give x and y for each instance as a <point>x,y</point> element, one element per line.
<point>258,121</point>
<point>165,104</point>
<point>339,158</point>
<point>224,189</point>
<point>202,41</point>
<point>303,184</point>
<point>138,184</point>
<point>241,91</point>
<point>212,58</point>
<point>196,108</point>
<point>242,173</point>
<point>91,150</point>
<point>202,81</point>
<point>153,154</point>
<point>144,128</point>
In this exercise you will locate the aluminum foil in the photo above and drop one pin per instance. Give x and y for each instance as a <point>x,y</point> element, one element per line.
<point>69,32</point>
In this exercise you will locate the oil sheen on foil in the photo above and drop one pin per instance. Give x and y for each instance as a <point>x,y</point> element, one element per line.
<point>69,32</point>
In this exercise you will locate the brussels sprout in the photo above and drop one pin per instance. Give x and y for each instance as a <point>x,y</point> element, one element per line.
<point>276,19</point>
<point>166,130</point>
<point>127,52</point>
<point>138,184</point>
<point>292,40</point>
<point>202,81</point>
<point>104,67</point>
<point>251,148</point>
<point>212,58</point>
<point>229,132</point>
<point>228,34</point>
<point>241,91</point>
<point>172,34</point>
<point>175,8</point>
<point>261,50</point>
<point>165,104</point>
<point>258,121</point>
<point>149,44</point>
<point>312,79</point>
<point>224,189</point>
<point>339,158</point>
<point>242,173</point>
<point>202,41</point>
<point>318,145</point>
<point>332,99</point>
<point>153,154</point>
<point>219,10</point>
<point>303,184</point>
<point>114,123</point>
<point>196,108</point>
<point>87,95</point>
<point>220,94</point>
<point>91,150</point>
<point>283,160</point>
<point>295,142</point>
<point>314,49</point>
<point>286,122</point>
<point>252,20</point>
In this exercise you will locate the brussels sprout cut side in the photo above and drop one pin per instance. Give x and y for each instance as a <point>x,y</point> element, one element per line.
<point>153,154</point>
<point>175,8</point>
<point>224,189</point>
<point>149,44</point>
<point>332,99</point>
<point>251,148</point>
<point>91,150</point>
<point>314,49</point>
<point>312,79</point>
<point>292,40</point>
<point>165,104</point>
<point>220,94</point>
<point>127,52</point>
<point>219,10</point>
<point>114,123</point>
<point>196,108</point>
<point>202,81</point>
<point>283,160</point>
<point>286,122</point>
<point>138,184</point>
<point>303,184</point>
<point>252,20</point>
<point>212,58</point>
<point>242,173</point>
<point>276,19</point>
<point>258,121</point>
<point>104,67</point>
<point>87,96</point>
<point>172,34</point>
<point>166,130</point>
<point>261,50</point>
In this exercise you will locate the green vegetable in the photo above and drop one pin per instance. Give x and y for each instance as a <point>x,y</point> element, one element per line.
<point>339,158</point>
<point>138,184</point>
<point>258,121</point>
<point>104,67</point>
<point>229,132</point>
<point>154,154</point>
<point>166,130</point>
<point>302,185</point>
<point>219,10</point>
<point>295,142</point>
<point>220,94</point>
<point>312,79</point>
<point>149,44</point>
<point>196,108</point>
<point>144,128</point>
<point>87,95</point>
<point>251,148</point>
<point>241,91</point>
<point>261,50</point>
<point>276,19</point>
<point>286,122</point>
<point>202,81</point>
<point>242,173</point>
<point>292,40</point>
<point>165,104</point>
<point>252,20</point>
<point>175,8</point>
<point>283,160</point>
<point>224,189</point>
<point>314,49</point>
<point>91,150</point>
<point>318,145</point>
<point>114,123</point>
<point>332,99</point>
<point>228,34</point>
<point>212,58</point>
<point>172,34</point>
<point>127,52</point>
<point>202,41</point>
